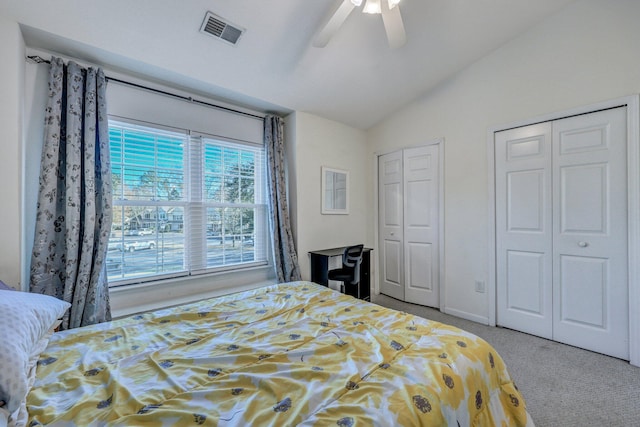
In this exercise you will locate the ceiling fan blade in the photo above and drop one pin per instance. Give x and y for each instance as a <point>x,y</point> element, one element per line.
<point>334,22</point>
<point>393,25</point>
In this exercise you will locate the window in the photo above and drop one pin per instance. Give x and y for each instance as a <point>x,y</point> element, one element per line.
<point>183,203</point>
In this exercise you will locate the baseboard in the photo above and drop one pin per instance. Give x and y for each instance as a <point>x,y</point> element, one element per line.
<point>467,316</point>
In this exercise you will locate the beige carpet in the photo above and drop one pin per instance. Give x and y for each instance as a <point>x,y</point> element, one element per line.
<point>562,385</point>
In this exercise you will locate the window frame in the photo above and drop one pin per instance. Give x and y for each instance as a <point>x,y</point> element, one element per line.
<point>195,239</point>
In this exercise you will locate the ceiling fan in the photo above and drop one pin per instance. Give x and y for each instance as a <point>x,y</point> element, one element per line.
<point>391,18</point>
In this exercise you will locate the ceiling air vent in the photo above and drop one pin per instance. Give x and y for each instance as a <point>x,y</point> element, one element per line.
<point>219,28</point>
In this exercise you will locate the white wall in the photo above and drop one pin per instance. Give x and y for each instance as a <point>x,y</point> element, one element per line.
<point>315,142</point>
<point>585,54</point>
<point>11,108</point>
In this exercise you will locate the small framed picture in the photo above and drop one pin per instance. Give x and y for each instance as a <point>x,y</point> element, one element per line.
<point>335,191</point>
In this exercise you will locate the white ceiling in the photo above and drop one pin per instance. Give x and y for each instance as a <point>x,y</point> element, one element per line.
<point>356,79</point>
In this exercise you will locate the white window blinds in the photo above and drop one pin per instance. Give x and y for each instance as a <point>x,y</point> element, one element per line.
<point>183,204</point>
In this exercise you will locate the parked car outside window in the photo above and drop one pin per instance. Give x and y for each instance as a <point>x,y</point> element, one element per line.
<point>145,232</point>
<point>132,246</point>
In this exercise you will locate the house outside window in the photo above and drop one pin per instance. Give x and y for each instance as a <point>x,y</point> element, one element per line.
<point>183,203</point>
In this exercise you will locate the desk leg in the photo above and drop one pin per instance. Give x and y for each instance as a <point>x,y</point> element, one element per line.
<point>320,269</point>
<point>365,277</point>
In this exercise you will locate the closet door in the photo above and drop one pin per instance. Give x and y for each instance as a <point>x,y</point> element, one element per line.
<point>524,229</point>
<point>391,224</point>
<point>409,224</point>
<point>590,232</point>
<point>421,231</point>
<point>561,231</point>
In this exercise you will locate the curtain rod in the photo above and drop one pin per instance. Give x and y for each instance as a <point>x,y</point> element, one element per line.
<point>39,60</point>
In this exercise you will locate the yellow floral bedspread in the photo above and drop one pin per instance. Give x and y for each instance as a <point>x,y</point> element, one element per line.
<point>289,354</point>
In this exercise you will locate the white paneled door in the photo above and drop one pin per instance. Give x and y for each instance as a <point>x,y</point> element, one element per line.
<point>391,225</point>
<point>590,232</point>
<point>524,229</point>
<point>409,225</point>
<point>561,224</point>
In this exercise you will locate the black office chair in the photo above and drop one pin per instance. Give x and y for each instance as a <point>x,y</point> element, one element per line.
<point>349,274</point>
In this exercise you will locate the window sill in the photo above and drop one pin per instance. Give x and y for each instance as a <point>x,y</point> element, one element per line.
<point>136,298</point>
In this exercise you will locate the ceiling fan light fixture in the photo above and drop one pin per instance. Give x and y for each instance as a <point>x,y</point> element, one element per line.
<point>372,6</point>
<point>392,3</point>
<point>391,18</point>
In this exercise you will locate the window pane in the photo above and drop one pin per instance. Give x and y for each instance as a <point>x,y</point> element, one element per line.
<point>213,187</point>
<point>231,161</point>
<point>247,190</point>
<point>146,165</point>
<point>215,239</point>
<point>229,173</point>
<point>231,189</point>
<point>248,234</point>
<point>247,163</point>
<point>213,159</point>
<point>146,241</point>
<point>230,236</point>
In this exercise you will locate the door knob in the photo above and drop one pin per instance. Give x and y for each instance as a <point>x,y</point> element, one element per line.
<point>583,244</point>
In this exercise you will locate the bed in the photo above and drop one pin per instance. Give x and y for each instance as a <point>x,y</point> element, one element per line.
<point>289,354</point>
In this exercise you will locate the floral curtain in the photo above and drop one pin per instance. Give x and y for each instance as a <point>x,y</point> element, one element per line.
<point>286,260</point>
<point>74,215</point>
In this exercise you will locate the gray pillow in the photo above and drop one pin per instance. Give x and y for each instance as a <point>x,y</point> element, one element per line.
<point>4,287</point>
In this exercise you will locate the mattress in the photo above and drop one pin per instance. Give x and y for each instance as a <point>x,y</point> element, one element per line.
<point>289,354</point>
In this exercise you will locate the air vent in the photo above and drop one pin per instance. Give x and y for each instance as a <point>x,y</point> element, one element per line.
<point>221,29</point>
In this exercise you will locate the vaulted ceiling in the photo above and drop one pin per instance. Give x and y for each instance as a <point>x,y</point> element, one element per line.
<point>356,79</point>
